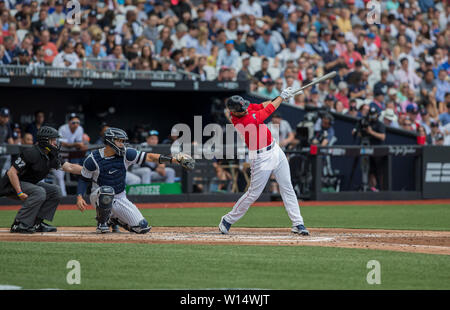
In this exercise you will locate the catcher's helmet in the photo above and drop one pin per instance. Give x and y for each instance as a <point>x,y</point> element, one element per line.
<point>237,104</point>
<point>44,134</point>
<point>112,134</point>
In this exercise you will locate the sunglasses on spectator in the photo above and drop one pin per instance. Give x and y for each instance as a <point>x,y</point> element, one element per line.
<point>75,122</point>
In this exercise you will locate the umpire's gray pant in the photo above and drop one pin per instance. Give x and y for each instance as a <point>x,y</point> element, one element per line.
<point>42,201</point>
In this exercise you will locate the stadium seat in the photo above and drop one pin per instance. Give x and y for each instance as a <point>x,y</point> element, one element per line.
<point>255,64</point>
<point>238,64</point>
<point>274,72</point>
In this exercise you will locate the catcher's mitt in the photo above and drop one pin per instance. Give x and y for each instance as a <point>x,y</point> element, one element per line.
<point>185,161</point>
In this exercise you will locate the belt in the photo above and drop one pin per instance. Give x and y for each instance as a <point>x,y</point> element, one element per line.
<point>265,149</point>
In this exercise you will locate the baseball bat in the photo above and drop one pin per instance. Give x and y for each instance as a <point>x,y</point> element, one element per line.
<point>318,80</point>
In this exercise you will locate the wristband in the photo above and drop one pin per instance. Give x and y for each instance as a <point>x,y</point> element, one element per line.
<point>165,159</point>
<point>20,194</point>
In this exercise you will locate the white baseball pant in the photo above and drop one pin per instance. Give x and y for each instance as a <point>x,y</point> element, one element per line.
<point>122,208</point>
<point>262,165</point>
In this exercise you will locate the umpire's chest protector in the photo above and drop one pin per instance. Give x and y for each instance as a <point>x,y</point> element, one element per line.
<point>112,171</point>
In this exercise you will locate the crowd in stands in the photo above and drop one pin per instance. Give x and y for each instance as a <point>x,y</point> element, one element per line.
<point>396,62</point>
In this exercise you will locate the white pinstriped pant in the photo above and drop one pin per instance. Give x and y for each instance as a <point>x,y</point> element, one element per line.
<point>122,208</point>
<point>262,166</point>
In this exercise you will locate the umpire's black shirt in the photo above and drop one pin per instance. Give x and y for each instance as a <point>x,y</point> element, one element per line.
<point>32,165</point>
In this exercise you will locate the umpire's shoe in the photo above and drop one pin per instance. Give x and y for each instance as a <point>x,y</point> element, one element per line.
<point>21,228</point>
<point>224,226</point>
<point>40,226</point>
<point>102,228</point>
<point>300,229</point>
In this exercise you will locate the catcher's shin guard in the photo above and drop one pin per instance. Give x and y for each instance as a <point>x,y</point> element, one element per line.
<point>104,204</point>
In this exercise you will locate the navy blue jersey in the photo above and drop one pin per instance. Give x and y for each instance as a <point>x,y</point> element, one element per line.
<point>110,171</point>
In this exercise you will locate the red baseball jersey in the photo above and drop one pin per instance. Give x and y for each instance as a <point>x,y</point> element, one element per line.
<point>252,127</point>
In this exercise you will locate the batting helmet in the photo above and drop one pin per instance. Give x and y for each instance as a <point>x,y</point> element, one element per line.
<point>237,104</point>
<point>43,136</point>
<point>112,134</point>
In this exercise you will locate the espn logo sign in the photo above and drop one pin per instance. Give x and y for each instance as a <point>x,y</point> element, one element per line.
<point>437,173</point>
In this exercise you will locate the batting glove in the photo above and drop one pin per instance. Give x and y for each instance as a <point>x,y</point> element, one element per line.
<point>286,93</point>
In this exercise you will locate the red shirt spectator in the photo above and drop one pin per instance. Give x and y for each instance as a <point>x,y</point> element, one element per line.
<point>351,56</point>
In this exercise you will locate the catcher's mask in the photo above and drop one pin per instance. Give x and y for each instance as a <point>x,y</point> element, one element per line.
<point>113,134</point>
<point>43,137</point>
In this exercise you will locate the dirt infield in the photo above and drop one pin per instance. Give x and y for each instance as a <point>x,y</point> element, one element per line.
<point>177,205</point>
<point>430,242</point>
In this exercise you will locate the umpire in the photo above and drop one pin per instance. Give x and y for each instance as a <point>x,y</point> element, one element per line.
<point>23,182</point>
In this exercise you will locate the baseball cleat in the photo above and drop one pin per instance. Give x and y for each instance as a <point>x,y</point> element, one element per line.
<point>114,225</point>
<point>44,227</point>
<point>224,226</point>
<point>300,229</point>
<point>143,230</point>
<point>21,228</point>
<point>102,228</point>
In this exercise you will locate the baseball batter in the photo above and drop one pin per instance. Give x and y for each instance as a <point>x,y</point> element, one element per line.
<point>106,168</point>
<point>266,157</point>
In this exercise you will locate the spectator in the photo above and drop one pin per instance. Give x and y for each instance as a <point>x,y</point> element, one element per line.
<point>342,94</point>
<point>281,130</point>
<point>269,89</point>
<point>289,53</point>
<point>443,85</point>
<point>6,136</point>
<point>412,112</point>
<point>32,128</point>
<point>248,46</point>
<point>434,133</point>
<point>351,56</point>
<point>5,128</point>
<point>389,118</point>
<point>204,44</point>
<point>223,13</point>
<point>159,172</point>
<point>67,58</point>
<point>179,39</point>
<point>263,73</point>
<point>71,138</point>
<point>405,75</point>
<point>263,45</point>
<point>228,56</point>
<point>352,110</point>
<point>445,117</point>
<point>27,139</point>
<point>383,84</point>
<point>50,50</point>
<point>116,55</point>
<point>103,128</point>
<point>244,73</point>
<point>11,50</point>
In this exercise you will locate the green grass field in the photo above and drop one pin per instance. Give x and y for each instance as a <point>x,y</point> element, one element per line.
<point>171,266</point>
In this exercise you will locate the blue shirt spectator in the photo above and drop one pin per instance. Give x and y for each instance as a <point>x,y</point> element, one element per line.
<point>263,45</point>
<point>228,56</point>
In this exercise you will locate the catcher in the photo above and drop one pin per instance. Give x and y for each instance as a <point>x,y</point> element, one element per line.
<point>106,169</point>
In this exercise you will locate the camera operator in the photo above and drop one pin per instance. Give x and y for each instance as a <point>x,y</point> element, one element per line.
<point>324,131</point>
<point>372,131</point>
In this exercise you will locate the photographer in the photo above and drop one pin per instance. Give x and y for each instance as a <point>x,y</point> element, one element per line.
<point>324,132</point>
<point>371,131</point>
